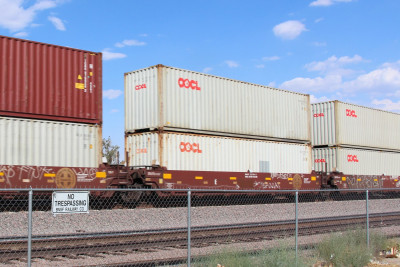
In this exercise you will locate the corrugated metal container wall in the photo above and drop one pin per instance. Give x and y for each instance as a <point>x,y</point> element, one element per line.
<point>341,124</point>
<point>356,161</point>
<point>178,151</point>
<point>182,100</point>
<point>49,143</point>
<point>51,82</point>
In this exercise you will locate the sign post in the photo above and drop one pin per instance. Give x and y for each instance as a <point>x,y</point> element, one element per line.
<point>70,202</point>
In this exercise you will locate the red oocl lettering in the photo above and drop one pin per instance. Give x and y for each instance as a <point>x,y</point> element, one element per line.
<point>141,150</point>
<point>140,86</point>
<point>316,115</point>
<point>319,161</point>
<point>190,147</point>
<point>194,85</point>
<point>352,158</point>
<point>351,113</point>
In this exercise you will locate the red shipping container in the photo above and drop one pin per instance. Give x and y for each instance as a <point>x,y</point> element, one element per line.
<point>45,81</point>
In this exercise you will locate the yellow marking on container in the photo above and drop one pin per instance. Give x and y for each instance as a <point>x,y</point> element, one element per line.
<point>279,182</point>
<point>313,178</point>
<point>179,182</point>
<point>26,180</point>
<point>91,73</point>
<point>395,180</point>
<point>343,179</point>
<point>103,181</point>
<point>50,181</point>
<point>290,179</point>
<point>1,173</point>
<point>160,181</point>
<point>90,146</point>
<point>376,180</point>
<point>234,182</point>
<point>268,178</point>
<point>101,174</point>
<point>49,175</point>
<point>232,178</point>
<point>2,180</point>
<point>79,77</point>
<point>205,182</point>
<point>148,179</point>
<point>79,86</point>
<point>198,177</point>
<point>167,176</point>
<point>92,54</point>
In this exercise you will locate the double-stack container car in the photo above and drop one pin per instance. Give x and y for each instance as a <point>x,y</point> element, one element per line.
<point>356,140</point>
<point>183,129</point>
<point>50,115</point>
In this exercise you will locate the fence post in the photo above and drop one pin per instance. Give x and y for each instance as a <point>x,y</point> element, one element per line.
<point>30,227</point>
<point>297,224</point>
<point>188,228</point>
<point>367,215</point>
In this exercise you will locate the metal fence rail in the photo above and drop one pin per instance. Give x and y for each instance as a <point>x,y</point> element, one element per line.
<point>181,226</point>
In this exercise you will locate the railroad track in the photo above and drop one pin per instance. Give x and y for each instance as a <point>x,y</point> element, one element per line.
<point>14,248</point>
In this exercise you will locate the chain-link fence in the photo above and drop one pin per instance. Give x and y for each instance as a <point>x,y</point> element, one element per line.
<point>139,227</point>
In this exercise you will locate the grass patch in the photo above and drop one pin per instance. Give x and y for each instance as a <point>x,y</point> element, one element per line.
<point>350,248</point>
<point>281,256</point>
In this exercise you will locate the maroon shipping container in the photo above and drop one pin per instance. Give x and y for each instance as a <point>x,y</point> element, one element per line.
<point>45,81</point>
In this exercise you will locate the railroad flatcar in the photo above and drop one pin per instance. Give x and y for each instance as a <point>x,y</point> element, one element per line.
<point>183,129</point>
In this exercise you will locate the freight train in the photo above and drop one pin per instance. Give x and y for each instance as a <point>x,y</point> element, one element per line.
<point>183,129</point>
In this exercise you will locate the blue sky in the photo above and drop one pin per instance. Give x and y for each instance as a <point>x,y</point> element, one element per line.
<point>347,50</point>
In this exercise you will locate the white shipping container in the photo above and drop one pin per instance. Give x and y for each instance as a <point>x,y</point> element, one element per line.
<point>341,124</point>
<point>178,151</point>
<point>49,143</point>
<point>161,97</point>
<point>356,161</point>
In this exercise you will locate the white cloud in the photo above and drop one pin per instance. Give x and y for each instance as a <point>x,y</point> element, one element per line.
<point>273,58</point>
<point>314,99</point>
<point>334,65</point>
<point>319,44</point>
<point>381,79</point>
<point>387,104</point>
<point>130,43</point>
<point>232,64</point>
<point>114,111</point>
<point>289,30</point>
<point>328,83</point>
<point>111,93</point>
<point>382,82</point>
<point>318,20</point>
<point>327,2</point>
<point>207,69</point>
<point>57,23</point>
<point>260,66</point>
<point>21,34</point>
<point>15,17</point>
<point>107,55</point>
<point>272,84</point>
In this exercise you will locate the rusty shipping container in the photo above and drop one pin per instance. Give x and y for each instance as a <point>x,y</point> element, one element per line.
<point>173,99</point>
<point>182,151</point>
<point>341,124</point>
<point>44,81</point>
<point>356,161</point>
<point>49,143</point>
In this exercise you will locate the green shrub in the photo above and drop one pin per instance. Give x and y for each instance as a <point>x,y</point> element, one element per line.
<point>350,248</point>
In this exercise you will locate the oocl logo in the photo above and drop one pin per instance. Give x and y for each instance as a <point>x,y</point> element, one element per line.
<point>316,115</point>
<point>320,161</point>
<point>352,158</point>
<point>141,150</point>
<point>194,85</point>
<point>140,86</point>
<point>190,147</point>
<point>351,113</point>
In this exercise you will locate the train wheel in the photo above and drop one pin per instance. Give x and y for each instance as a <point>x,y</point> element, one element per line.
<point>132,197</point>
